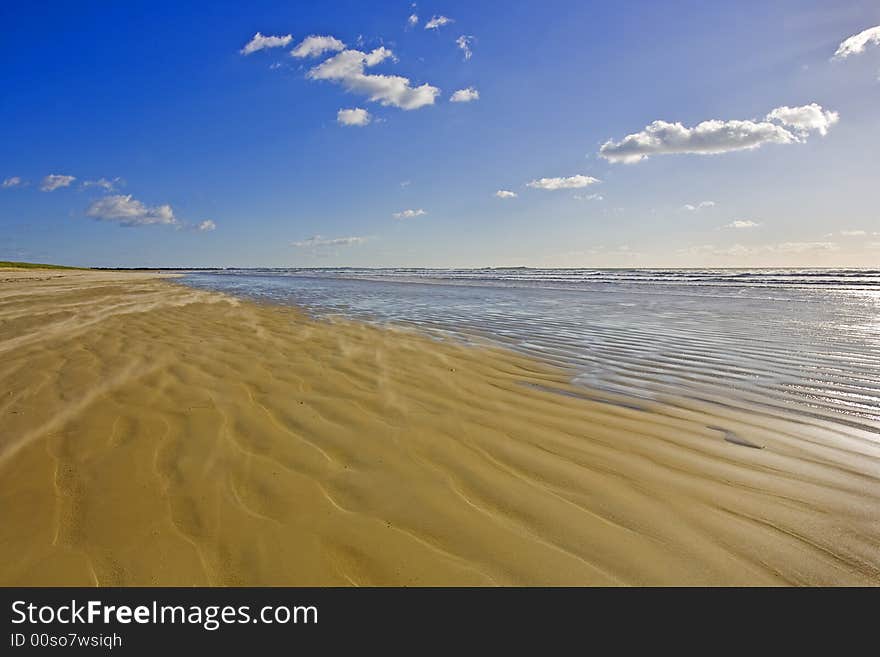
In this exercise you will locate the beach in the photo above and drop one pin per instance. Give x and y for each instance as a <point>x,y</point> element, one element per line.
<point>157,434</point>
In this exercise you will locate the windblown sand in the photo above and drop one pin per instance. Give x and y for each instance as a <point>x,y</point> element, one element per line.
<point>155,434</point>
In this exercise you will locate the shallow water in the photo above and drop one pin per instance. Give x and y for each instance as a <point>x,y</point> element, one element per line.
<point>802,341</point>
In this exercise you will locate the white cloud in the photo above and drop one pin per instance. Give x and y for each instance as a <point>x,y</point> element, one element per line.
<point>314,45</point>
<point>317,241</point>
<point>802,247</point>
<point>740,250</point>
<point>853,233</point>
<point>702,205</point>
<point>714,136</point>
<point>588,197</point>
<point>128,211</point>
<point>805,118</point>
<point>437,22</point>
<point>409,214</point>
<point>103,183</point>
<point>55,181</point>
<point>13,181</point>
<point>413,20</point>
<point>661,137</point>
<point>464,43</point>
<point>206,225</point>
<point>259,42</point>
<point>465,95</point>
<point>857,43</point>
<point>353,117</point>
<point>347,69</point>
<point>572,182</point>
<point>742,223</point>
<point>503,193</point>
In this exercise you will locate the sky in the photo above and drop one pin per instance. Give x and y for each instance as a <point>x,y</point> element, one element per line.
<point>441,134</point>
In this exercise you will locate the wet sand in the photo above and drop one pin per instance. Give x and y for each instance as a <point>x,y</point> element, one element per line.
<point>155,434</point>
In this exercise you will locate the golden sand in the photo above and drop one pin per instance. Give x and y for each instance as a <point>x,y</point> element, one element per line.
<point>154,434</point>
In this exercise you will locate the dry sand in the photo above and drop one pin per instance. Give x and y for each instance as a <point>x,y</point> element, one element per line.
<point>154,434</point>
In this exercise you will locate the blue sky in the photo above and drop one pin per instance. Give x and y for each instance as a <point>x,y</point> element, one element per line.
<point>171,147</point>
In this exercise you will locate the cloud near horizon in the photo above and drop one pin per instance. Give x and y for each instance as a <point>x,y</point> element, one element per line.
<point>702,205</point>
<point>742,223</point>
<point>504,193</point>
<point>572,182</point>
<point>347,69</point>
<point>12,181</point>
<point>409,214</point>
<point>128,211</point>
<point>716,136</point>
<point>856,44</point>
<point>319,241</point>
<point>785,248</point>
<point>55,181</point>
<point>206,225</point>
<point>260,42</point>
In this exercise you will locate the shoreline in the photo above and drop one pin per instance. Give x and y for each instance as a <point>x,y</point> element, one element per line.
<point>155,434</point>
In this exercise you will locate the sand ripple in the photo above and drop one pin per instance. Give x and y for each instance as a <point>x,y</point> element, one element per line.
<point>155,434</point>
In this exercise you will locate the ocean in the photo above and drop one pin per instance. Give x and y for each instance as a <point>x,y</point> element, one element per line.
<point>799,342</point>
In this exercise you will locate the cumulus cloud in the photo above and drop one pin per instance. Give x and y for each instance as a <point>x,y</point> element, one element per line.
<point>259,42</point>
<point>12,181</point>
<point>317,241</point>
<point>464,43</point>
<point>857,43</point>
<point>715,136</point>
<point>206,225</point>
<point>103,183</point>
<point>127,211</point>
<point>347,68</point>
<point>661,137</point>
<point>55,181</point>
<point>742,223</point>
<point>504,193</point>
<point>805,119</point>
<point>465,95</point>
<point>409,214</point>
<point>572,182</point>
<point>314,45</point>
<point>413,20</point>
<point>702,205</point>
<point>437,22</point>
<point>353,117</point>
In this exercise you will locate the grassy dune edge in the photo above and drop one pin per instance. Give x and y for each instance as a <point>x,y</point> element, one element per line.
<point>7,264</point>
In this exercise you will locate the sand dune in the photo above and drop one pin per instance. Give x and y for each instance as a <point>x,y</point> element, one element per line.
<point>154,434</point>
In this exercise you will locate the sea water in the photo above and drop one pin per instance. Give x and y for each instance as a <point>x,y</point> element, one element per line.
<point>802,341</point>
